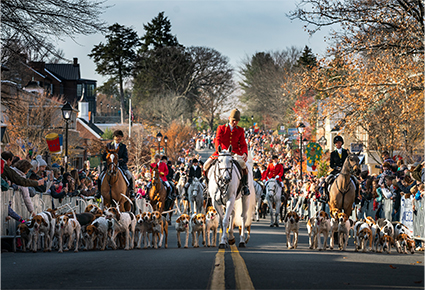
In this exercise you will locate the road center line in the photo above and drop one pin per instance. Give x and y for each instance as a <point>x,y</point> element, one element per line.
<point>217,277</point>
<point>243,280</point>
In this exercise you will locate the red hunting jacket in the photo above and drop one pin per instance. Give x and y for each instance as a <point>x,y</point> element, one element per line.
<point>226,137</point>
<point>163,170</point>
<point>272,171</point>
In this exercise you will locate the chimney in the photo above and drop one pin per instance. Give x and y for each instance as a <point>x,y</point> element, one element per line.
<point>83,108</point>
<point>75,61</point>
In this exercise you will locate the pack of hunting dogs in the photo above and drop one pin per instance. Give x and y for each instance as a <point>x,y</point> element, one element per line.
<point>116,226</point>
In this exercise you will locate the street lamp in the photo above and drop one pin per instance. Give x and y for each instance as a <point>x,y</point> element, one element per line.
<point>301,128</point>
<point>165,140</point>
<point>66,114</point>
<point>107,108</point>
<point>101,112</point>
<point>159,138</point>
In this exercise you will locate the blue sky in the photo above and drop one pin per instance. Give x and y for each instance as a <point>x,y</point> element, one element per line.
<point>236,29</point>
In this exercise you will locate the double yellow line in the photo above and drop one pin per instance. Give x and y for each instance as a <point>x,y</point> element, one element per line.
<point>243,280</point>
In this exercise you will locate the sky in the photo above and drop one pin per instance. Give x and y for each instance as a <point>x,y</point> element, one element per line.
<point>236,28</point>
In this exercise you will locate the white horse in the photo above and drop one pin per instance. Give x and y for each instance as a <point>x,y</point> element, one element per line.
<point>224,179</point>
<point>273,195</point>
<point>181,204</point>
<point>258,192</point>
<point>236,217</point>
<point>196,196</point>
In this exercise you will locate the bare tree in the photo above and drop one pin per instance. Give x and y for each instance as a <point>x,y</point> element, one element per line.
<point>266,82</point>
<point>384,25</point>
<point>38,24</point>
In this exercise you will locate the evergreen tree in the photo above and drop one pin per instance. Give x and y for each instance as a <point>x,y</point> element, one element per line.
<point>116,57</point>
<point>307,59</point>
<point>158,34</point>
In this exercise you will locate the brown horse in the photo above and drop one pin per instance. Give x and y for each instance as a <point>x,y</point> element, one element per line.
<point>343,192</point>
<point>113,185</point>
<point>158,192</point>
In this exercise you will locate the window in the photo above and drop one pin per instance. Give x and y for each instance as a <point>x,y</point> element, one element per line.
<point>90,90</point>
<point>79,90</point>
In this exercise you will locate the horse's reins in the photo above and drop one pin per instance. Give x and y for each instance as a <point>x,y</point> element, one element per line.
<point>344,192</point>
<point>108,172</point>
<point>223,189</point>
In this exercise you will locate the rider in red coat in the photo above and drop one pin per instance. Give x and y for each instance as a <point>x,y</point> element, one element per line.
<point>161,164</point>
<point>231,134</point>
<point>228,135</point>
<point>274,169</point>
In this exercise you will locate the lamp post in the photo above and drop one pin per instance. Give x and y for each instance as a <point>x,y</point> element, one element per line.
<point>107,109</point>
<point>165,140</point>
<point>66,114</point>
<point>159,138</point>
<point>101,112</point>
<point>301,128</point>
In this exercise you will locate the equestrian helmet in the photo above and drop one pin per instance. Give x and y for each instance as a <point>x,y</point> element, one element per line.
<point>338,138</point>
<point>235,115</point>
<point>118,133</point>
<point>195,160</point>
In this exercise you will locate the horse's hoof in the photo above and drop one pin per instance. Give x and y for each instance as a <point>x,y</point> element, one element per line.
<point>222,246</point>
<point>232,241</point>
<point>277,225</point>
<point>271,226</point>
<point>242,245</point>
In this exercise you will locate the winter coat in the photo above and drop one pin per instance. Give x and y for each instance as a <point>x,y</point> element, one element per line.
<point>25,192</point>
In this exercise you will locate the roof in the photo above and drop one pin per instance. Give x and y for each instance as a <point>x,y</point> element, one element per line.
<point>64,71</point>
<point>92,126</point>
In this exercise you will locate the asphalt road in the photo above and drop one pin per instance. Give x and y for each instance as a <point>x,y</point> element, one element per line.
<point>265,263</point>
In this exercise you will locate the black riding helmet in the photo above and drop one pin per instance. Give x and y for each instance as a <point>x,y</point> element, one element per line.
<point>338,138</point>
<point>118,133</point>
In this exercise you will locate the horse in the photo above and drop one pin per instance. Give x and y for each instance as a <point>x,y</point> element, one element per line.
<point>273,197</point>
<point>236,217</point>
<point>224,179</point>
<point>113,186</point>
<point>180,201</point>
<point>343,192</point>
<point>158,192</point>
<point>258,191</point>
<point>196,196</point>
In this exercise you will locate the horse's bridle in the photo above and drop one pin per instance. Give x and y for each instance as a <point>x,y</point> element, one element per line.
<point>112,171</point>
<point>274,189</point>
<point>221,182</point>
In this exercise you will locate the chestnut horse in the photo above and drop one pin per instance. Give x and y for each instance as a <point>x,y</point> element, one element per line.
<point>114,186</point>
<point>343,192</point>
<point>158,192</point>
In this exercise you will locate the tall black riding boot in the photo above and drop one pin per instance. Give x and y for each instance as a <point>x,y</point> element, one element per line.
<point>244,181</point>
<point>131,188</point>
<point>98,194</point>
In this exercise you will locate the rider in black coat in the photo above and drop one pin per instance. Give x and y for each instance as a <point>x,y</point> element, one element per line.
<point>122,160</point>
<point>338,157</point>
<point>194,171</point>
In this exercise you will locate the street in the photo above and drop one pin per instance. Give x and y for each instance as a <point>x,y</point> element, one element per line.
<point>268,262</point>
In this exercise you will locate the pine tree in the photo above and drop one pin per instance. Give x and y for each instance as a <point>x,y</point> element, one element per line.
<point>116,57</point>
<point>158,34</point>
<point>307,59</point>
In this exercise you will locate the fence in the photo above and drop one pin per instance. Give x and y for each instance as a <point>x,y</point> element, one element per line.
<point>413,219</point>
<point>41,202</point>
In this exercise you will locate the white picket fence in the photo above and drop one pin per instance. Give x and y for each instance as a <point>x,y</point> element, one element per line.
<point>41,202</point>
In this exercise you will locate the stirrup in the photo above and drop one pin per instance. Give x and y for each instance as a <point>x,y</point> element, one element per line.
<point>245,190</point>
